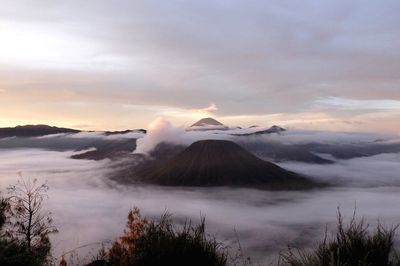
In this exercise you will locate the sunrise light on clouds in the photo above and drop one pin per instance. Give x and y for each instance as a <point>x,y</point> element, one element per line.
<point>103,65</point>
<point>199,132</point>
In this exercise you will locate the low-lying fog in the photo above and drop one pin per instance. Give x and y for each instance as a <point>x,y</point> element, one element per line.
<point>88,208</point>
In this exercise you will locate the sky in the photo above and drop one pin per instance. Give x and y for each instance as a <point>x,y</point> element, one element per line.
<point>113,65</point>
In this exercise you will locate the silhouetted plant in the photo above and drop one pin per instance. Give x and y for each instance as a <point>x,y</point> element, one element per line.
<point>159,243</point>
<point>4,209</point>
<point>25,240</point>
<point>29,222</point>
<point>238,257</point>
<point>123,250</point>
<point>353,245</point>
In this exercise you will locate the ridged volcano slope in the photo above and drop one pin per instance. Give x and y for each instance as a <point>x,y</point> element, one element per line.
<point>223,163</point>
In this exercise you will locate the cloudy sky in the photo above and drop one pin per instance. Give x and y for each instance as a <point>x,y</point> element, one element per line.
<point>332,65</point>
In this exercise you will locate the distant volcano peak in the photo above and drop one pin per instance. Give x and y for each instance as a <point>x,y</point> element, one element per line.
<point>208,121</point>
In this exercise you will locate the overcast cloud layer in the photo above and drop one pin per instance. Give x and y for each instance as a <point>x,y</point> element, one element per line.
<point>120,64</point>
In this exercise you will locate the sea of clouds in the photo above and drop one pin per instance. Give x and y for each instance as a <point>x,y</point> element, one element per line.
<point>89,208</point>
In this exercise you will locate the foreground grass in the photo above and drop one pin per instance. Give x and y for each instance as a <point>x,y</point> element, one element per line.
<point>353,245</point>
<point>160,243</point>
<point>24,240</point>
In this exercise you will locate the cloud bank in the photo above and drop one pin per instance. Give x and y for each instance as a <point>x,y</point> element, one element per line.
<point>373,171</point>
<point>161,130</point>
<point>89,208</point>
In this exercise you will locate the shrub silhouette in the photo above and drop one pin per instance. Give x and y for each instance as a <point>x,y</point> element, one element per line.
<point>4,208</point>
<point>353,245</point>
<point>30,223</point>
<point>122,250</point>
<point>24,229</point>
<point>160,243</point>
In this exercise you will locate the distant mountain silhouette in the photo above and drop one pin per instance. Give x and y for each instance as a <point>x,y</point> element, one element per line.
<point>33,131</point>
<point>273,129</point>
<point>208,124</point>
<point>110,133</point>
<point>223,163</point>
<point>280,152</point>
<point>111,149</point>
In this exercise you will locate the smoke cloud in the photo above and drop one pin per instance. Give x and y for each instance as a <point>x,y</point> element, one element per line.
<point>160,130</point>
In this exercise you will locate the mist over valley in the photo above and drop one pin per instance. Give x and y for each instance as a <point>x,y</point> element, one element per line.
<point>93,179</point>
